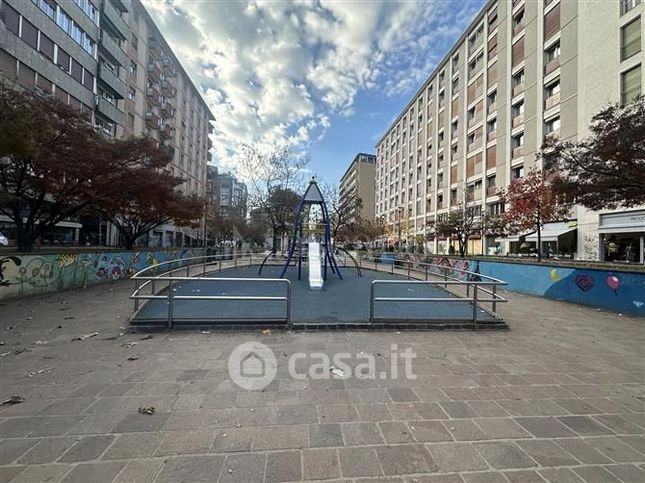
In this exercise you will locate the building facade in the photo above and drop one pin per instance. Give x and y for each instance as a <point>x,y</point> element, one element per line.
<point>229,196</point>
<point>523,71</point>
<point>358,183</point>
<point>108,58</point>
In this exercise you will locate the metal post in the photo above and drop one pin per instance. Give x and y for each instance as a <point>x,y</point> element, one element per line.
<point>171,301</point>
<point>445,277</point>
<point>467,289</point>
<point>152,286</point>
<point>371,319</point>
<point>475,304</point>
<point>426,270</point>
<point>409,263</point>
<point>136,292</point>
<point>494,297</point>
<point>188,269</point>
<point>234,260</point>
<point>204,267</point>
<point>288,304</point>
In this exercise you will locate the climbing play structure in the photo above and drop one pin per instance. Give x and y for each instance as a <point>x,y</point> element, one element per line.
<point>311,233</point>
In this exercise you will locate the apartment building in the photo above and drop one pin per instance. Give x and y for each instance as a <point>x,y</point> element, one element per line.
<point>108,58</point>
<point>358,183</point>
<point>230,196</point>
<point>522,72</point>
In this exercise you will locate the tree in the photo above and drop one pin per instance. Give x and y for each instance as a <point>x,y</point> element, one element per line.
<point>53,163</point>
<point>531,202</point>
<point>275,179</point>
<point>343,211</point>
<point>148,198</point>
<point>607,169</point>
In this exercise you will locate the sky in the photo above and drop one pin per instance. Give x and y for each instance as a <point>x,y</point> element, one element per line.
<point>327,77</point>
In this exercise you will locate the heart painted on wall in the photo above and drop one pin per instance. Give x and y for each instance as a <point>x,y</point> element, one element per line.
<point>584,282</point>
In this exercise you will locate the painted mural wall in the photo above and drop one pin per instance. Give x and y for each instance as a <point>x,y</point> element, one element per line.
<point>33,274</point>
<point>614,290</point>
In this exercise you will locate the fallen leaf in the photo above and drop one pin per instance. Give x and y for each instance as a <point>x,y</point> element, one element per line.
<point>150,410</point>
<point>132,343</point>
<point>266,332</point>
<point>41,371</point>
<point>147,337</point>
<point>13,400</point>
<point>133,358</point>
<point>86,336</point>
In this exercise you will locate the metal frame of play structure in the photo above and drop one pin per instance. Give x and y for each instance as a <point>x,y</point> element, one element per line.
<point>312,196</point>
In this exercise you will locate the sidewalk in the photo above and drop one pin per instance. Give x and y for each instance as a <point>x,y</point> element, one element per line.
<point>559,397</point>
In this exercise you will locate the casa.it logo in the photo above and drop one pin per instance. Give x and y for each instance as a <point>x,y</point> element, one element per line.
<point>252,366</point>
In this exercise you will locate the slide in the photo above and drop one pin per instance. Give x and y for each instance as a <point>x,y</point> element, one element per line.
<point>315,267</point>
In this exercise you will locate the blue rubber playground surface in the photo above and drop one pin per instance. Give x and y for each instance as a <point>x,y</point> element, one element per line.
<point>339,302</point>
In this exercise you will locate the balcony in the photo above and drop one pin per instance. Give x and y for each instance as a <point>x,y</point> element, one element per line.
<point>491,191</point>
<point>167,131</point>
<point>154,46</point>
<point>552,136</point>
<point>167,109</point>
<point>154,71</point>
<point>492,53</point>
<point>152,120</point>
<point>492,135</point>
<point>476,144</point>
<point>112,50</point>
<point>168,89</point>
<point>169,68</point>
<point>154,96</point>
<point>552,66</point>
<point>518,120</point>
<point>111,81</point>
<point>110,111</point>
<point>475,119</point>
<point>113,16</point>
<point>492,107</point>
<point>552,101</point>
<point>518,29</point>
<point>517,152</point>
<point>518,89</point>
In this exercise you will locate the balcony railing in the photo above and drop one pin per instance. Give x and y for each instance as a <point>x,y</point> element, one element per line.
<point>154,96</point>
<point>491,191</point>
<point>492,135</point>
<point>167,131</point>
<point>476,144</point>
<point>112,81</point>
<point>552,101</point>
<point>518,120</point>
<point>169,68</point>
<point>156,51</point>
<point>154,71</point>
<point>114,18</point>
<point>518,152</point>
<point>518,89</point>
<point>112,50</point>
<point>492,107</point>
<point>552,65</point>
<point>110,111</point>
<point>518,29</point>
<point>167,109</point>
<point>475,119</point>
<point>152,120</point>
<point>168,89</point>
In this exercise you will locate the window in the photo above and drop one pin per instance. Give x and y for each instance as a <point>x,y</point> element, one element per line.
<point>518,22</point>
<point>552,89</point>
<point>455,86</point>
<point>26,76</point>
<point>491,126</point>
<point>492,19</point>
<point>630,39</point>
<point>88,81</point>
<point>627,5</point>
<point>62,60</point>
<point>518,172</point>
<point>517,141</point>
<point>133,68</point>
<point>491,181</point>
<point>46,47</point>
<point>29,34</point>
<point>492,100</point>
<point>496,208</point>
<point>88,8</point>
<point>47,6</point>
<point>455,63</point>
<point>135,42</point>
<point>552,22</point>
<point>517,109</point>
<point>77,71</point>
<point>11,18</point>
<point>552,53</point>
<point>630,85</point>
<point>552,126</point>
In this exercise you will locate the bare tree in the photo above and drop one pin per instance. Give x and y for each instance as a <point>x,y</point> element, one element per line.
<point>343,212</point>
<point>275,180</point>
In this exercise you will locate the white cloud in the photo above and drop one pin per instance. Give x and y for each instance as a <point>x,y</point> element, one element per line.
<point>277,71</point>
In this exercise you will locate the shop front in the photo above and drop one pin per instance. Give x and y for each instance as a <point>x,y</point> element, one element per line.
<point>622,237</point>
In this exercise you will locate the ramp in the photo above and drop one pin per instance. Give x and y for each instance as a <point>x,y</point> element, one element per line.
<point>315,266</point>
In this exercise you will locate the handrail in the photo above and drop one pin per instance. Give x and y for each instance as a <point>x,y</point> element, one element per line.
<point>202,257</point>
<point>358,268</point>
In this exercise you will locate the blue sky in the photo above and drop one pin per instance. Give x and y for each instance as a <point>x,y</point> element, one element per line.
<point>325,76</point>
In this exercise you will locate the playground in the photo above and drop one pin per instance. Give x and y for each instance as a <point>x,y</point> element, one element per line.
<point>314,286</point>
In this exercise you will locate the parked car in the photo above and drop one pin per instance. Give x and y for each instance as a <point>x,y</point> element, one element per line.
<point>4,241</point>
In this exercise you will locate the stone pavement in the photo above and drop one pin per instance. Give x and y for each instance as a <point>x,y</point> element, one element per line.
<point>559,397</point>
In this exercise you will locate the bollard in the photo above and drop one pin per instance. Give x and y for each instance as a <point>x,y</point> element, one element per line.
<point>171,301</point>
<point>371,319</point>
<point>426,270</point>
<point>475,304</point>
<point>136,293</point>
<point>494,297</point>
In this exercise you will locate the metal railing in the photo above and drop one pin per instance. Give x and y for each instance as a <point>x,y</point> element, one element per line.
<point>161,280</point>
<point>470,281</point>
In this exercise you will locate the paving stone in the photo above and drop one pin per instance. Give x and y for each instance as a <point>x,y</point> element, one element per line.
<point>577,406</point>
<point>18,427</point>
<point>627,472</point>
<point>615,449</point>
<point>320,464</point>
<point>137,423</point>
<point>102,472</point>
<point>244,467</point>
<point>454,457</point>
<point>356,434</point>
<point>434,479</point>
<point>128,446</point>
<point>281,437</point>
<point>10,449</point>
<point>484,477</point>
<point>191,468</point>
<point>232,439</point>
<point>357,462</point>
<point>46,451</point>
<point>328,434</point>
<point>618,424</point>
<point>430,410</point>
<point>547,453</point>
<point>595,474</point>
<point>582,451</point>
<point>87,448</point>
<point>395,432</point>
<point>337,413</point>
<point>546,427</point>
<point>585,425</point>
<point>504,455</point>
<point>283,466</point>
<point>402,394</point>
<point>464,430</point>
<point>405,459</point>
<point>501,428</point>
<point>67,406</point>
<point>487,409</point>
<point>8,473</point>
<point>561,475</point>
<point>458,409</point>
<point>523,476</point>
<point>95,424</point>
<point>636,442</point>
<point>429,431</point>
<point>140,471</point>
<point>295,414</point>
<point>373,412</point>
<point>185,442</point>
<point>40,473</point>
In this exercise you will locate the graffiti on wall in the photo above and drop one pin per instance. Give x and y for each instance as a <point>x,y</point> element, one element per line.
<point>26,275</point>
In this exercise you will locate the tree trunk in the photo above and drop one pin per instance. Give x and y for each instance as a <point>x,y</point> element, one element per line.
<point>539,241</point>
<point>25,240</point>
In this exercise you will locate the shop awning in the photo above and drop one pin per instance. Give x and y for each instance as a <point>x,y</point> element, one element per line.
<point>551,231</point>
